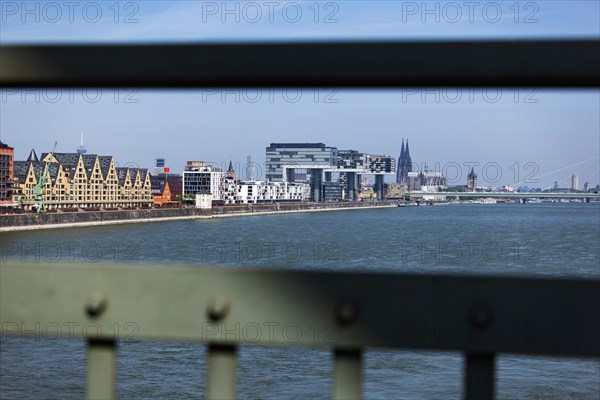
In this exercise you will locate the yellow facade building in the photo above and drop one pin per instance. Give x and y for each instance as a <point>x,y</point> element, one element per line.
<point>74,180</point>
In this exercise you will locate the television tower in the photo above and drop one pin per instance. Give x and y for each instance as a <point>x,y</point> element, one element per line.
<point>81,149</point>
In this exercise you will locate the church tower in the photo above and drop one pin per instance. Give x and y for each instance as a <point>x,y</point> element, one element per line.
<point>399,164</point>
<point>404,164</point>
<point>472,181</point>
<point>230,171</point>
<point>407,160</point>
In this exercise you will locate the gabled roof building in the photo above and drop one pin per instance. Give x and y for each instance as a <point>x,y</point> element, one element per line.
<point>77,180</point>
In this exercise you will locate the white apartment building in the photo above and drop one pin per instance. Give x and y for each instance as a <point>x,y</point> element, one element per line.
<point>252,192</point>
<point>199,177</point>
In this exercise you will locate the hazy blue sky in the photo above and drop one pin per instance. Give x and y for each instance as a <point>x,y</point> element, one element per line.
<point>545,135</point>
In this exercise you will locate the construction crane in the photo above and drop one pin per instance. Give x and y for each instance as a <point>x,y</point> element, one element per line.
<point>37,191</point>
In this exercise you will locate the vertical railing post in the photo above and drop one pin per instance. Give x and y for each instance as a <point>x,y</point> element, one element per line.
<point>101,369</point>
<point>347,374</point>
<point>479,376</point>
<point>221,374</point>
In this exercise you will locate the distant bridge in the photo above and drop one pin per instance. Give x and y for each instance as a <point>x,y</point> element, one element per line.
<point>507,195</point>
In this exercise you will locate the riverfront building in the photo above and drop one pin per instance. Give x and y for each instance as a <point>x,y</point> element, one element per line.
<point>229,192</point>
<point>395,191</point>
<point>161,190</point>
<point>78,180</point>
<point>255,192</point>
<point>200,177</point>
<point>175,184</point>
<point>333,174</point>
<point>7,156</point>
<point>281,157</point>
<point>161,176</point>
<point>426,179</point>
<point>421,180</point>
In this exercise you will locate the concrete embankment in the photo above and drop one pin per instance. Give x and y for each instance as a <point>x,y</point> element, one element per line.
<point>18,222</point>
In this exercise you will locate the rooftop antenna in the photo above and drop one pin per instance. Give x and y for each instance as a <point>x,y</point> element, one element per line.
<point>81,149</point>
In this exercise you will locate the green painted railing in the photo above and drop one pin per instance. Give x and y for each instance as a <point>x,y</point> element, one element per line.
<point>480,316</point>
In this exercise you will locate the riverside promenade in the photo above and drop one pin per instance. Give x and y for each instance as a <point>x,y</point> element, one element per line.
<point>30,221</point>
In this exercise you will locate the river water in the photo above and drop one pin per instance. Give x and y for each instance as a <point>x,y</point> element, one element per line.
<point>548,239</point>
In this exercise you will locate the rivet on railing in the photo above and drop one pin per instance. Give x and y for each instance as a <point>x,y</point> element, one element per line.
<point>346,312</point>
<point>481,317</point>
<point>218,308</point>
<point>96,304</point>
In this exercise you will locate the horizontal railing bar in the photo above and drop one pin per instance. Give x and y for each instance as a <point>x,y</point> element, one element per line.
<point>332,309</point>
<point>510,63</point>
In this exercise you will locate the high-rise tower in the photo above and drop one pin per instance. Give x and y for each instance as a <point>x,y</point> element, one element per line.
<point>574,182</point>
<point>159,166</point>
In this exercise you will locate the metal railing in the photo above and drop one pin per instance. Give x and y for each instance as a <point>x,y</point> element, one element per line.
<point>480,316</point>
<point>542,63</point>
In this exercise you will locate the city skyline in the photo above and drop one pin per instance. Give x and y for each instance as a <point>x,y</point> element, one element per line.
<point>548,133</point>
<point>455,170</point>
<point>554,134</point>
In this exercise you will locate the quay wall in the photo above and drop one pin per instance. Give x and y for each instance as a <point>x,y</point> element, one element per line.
<point>10,222</point>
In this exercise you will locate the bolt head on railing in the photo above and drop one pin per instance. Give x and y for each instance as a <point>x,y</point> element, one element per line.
<point>96,304</point>
<point>346,312</point>
<point>218,308</point>
<point>481,318</point>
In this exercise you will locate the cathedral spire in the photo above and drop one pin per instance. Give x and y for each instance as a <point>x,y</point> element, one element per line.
<point>407,159</point>
<point>399,164</point>
<point>402,150</point>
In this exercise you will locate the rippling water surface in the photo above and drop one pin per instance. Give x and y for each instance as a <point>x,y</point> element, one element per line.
<point>503,239</point>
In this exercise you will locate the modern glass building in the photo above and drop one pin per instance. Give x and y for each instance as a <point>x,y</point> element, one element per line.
<point>300,155</point>
<point>316,162</point>
<point>351,159</point>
